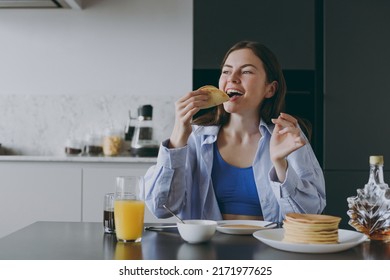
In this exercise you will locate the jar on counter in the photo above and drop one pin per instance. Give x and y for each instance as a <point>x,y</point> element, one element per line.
<point>112,142</point>
<point>73,147</point>
<point>93,145</point>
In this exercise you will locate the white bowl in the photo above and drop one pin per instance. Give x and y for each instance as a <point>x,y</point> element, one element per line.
<point>197,231</point>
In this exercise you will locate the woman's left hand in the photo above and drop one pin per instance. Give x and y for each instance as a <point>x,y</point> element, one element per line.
<point>285,139</point>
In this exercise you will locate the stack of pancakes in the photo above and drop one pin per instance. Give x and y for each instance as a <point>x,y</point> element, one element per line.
<point>311,228</point>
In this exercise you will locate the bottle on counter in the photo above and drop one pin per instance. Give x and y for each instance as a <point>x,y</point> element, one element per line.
<point>369,211</point>
<point>112,141</point>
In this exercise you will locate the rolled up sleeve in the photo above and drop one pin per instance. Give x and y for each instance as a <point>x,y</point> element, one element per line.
<point>158,179</point>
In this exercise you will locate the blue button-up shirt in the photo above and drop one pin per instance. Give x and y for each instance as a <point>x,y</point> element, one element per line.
<point>181,179</point>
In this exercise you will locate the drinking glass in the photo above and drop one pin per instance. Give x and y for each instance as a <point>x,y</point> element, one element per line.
<point>108,213</point>
<point>129,207</point>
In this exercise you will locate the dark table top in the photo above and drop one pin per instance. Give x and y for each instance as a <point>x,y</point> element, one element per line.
<point>87,241</point>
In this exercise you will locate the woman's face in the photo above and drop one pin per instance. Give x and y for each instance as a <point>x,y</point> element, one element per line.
<point>244,79</point>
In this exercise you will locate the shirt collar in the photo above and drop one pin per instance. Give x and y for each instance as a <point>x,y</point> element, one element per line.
<point>265,128</point>
<point>205,130</point>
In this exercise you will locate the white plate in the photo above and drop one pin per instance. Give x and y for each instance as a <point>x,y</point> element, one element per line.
<point>241,231</point>
<point>273,238</point>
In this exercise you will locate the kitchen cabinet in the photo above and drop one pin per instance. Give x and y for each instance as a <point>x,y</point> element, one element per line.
<point>38,192</point>
<point>61,189</point>
<point>98,180</point>
<point>287,27</point>
<point>357,44</point>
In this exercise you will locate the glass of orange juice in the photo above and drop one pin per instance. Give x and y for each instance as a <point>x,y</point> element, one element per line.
<point>129,208</point>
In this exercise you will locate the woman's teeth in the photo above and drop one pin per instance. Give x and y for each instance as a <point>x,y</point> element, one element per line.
<point>232,93</point>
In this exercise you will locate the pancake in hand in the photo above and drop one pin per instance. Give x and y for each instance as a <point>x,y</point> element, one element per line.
<point>216,96</point>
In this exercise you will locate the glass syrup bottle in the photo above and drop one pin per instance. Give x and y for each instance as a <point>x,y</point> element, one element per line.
<point>369,211</point>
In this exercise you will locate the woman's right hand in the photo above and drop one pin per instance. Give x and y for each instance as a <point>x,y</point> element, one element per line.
<point>185,108</point>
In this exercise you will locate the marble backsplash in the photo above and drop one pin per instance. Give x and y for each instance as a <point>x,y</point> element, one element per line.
<point>41,124</point>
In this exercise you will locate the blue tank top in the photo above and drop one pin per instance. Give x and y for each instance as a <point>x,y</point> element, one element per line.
<point>234,187</point>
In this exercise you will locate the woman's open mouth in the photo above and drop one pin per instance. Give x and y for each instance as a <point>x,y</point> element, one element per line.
<point>232,93</point>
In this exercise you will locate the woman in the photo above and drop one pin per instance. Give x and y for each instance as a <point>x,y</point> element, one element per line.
<point>251,161</point>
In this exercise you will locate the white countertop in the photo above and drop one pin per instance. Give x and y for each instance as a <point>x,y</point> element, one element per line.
<point>116,159</point>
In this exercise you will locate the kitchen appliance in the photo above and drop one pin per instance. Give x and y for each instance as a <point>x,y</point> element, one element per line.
<point>129,132</point>
<point>143,144</point>
<point>43,4</point>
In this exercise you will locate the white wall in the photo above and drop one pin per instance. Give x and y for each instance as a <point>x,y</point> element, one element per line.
<point>67,71</point>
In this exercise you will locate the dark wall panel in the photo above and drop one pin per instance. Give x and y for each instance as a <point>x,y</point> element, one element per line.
<point>285,26</point>
<point>357,88</point>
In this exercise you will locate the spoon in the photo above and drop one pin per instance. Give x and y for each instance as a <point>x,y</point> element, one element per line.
<point>169,210</point>
<point>270,224</point>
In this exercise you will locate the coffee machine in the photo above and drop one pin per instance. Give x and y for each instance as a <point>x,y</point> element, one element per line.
<point>143,144</point>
